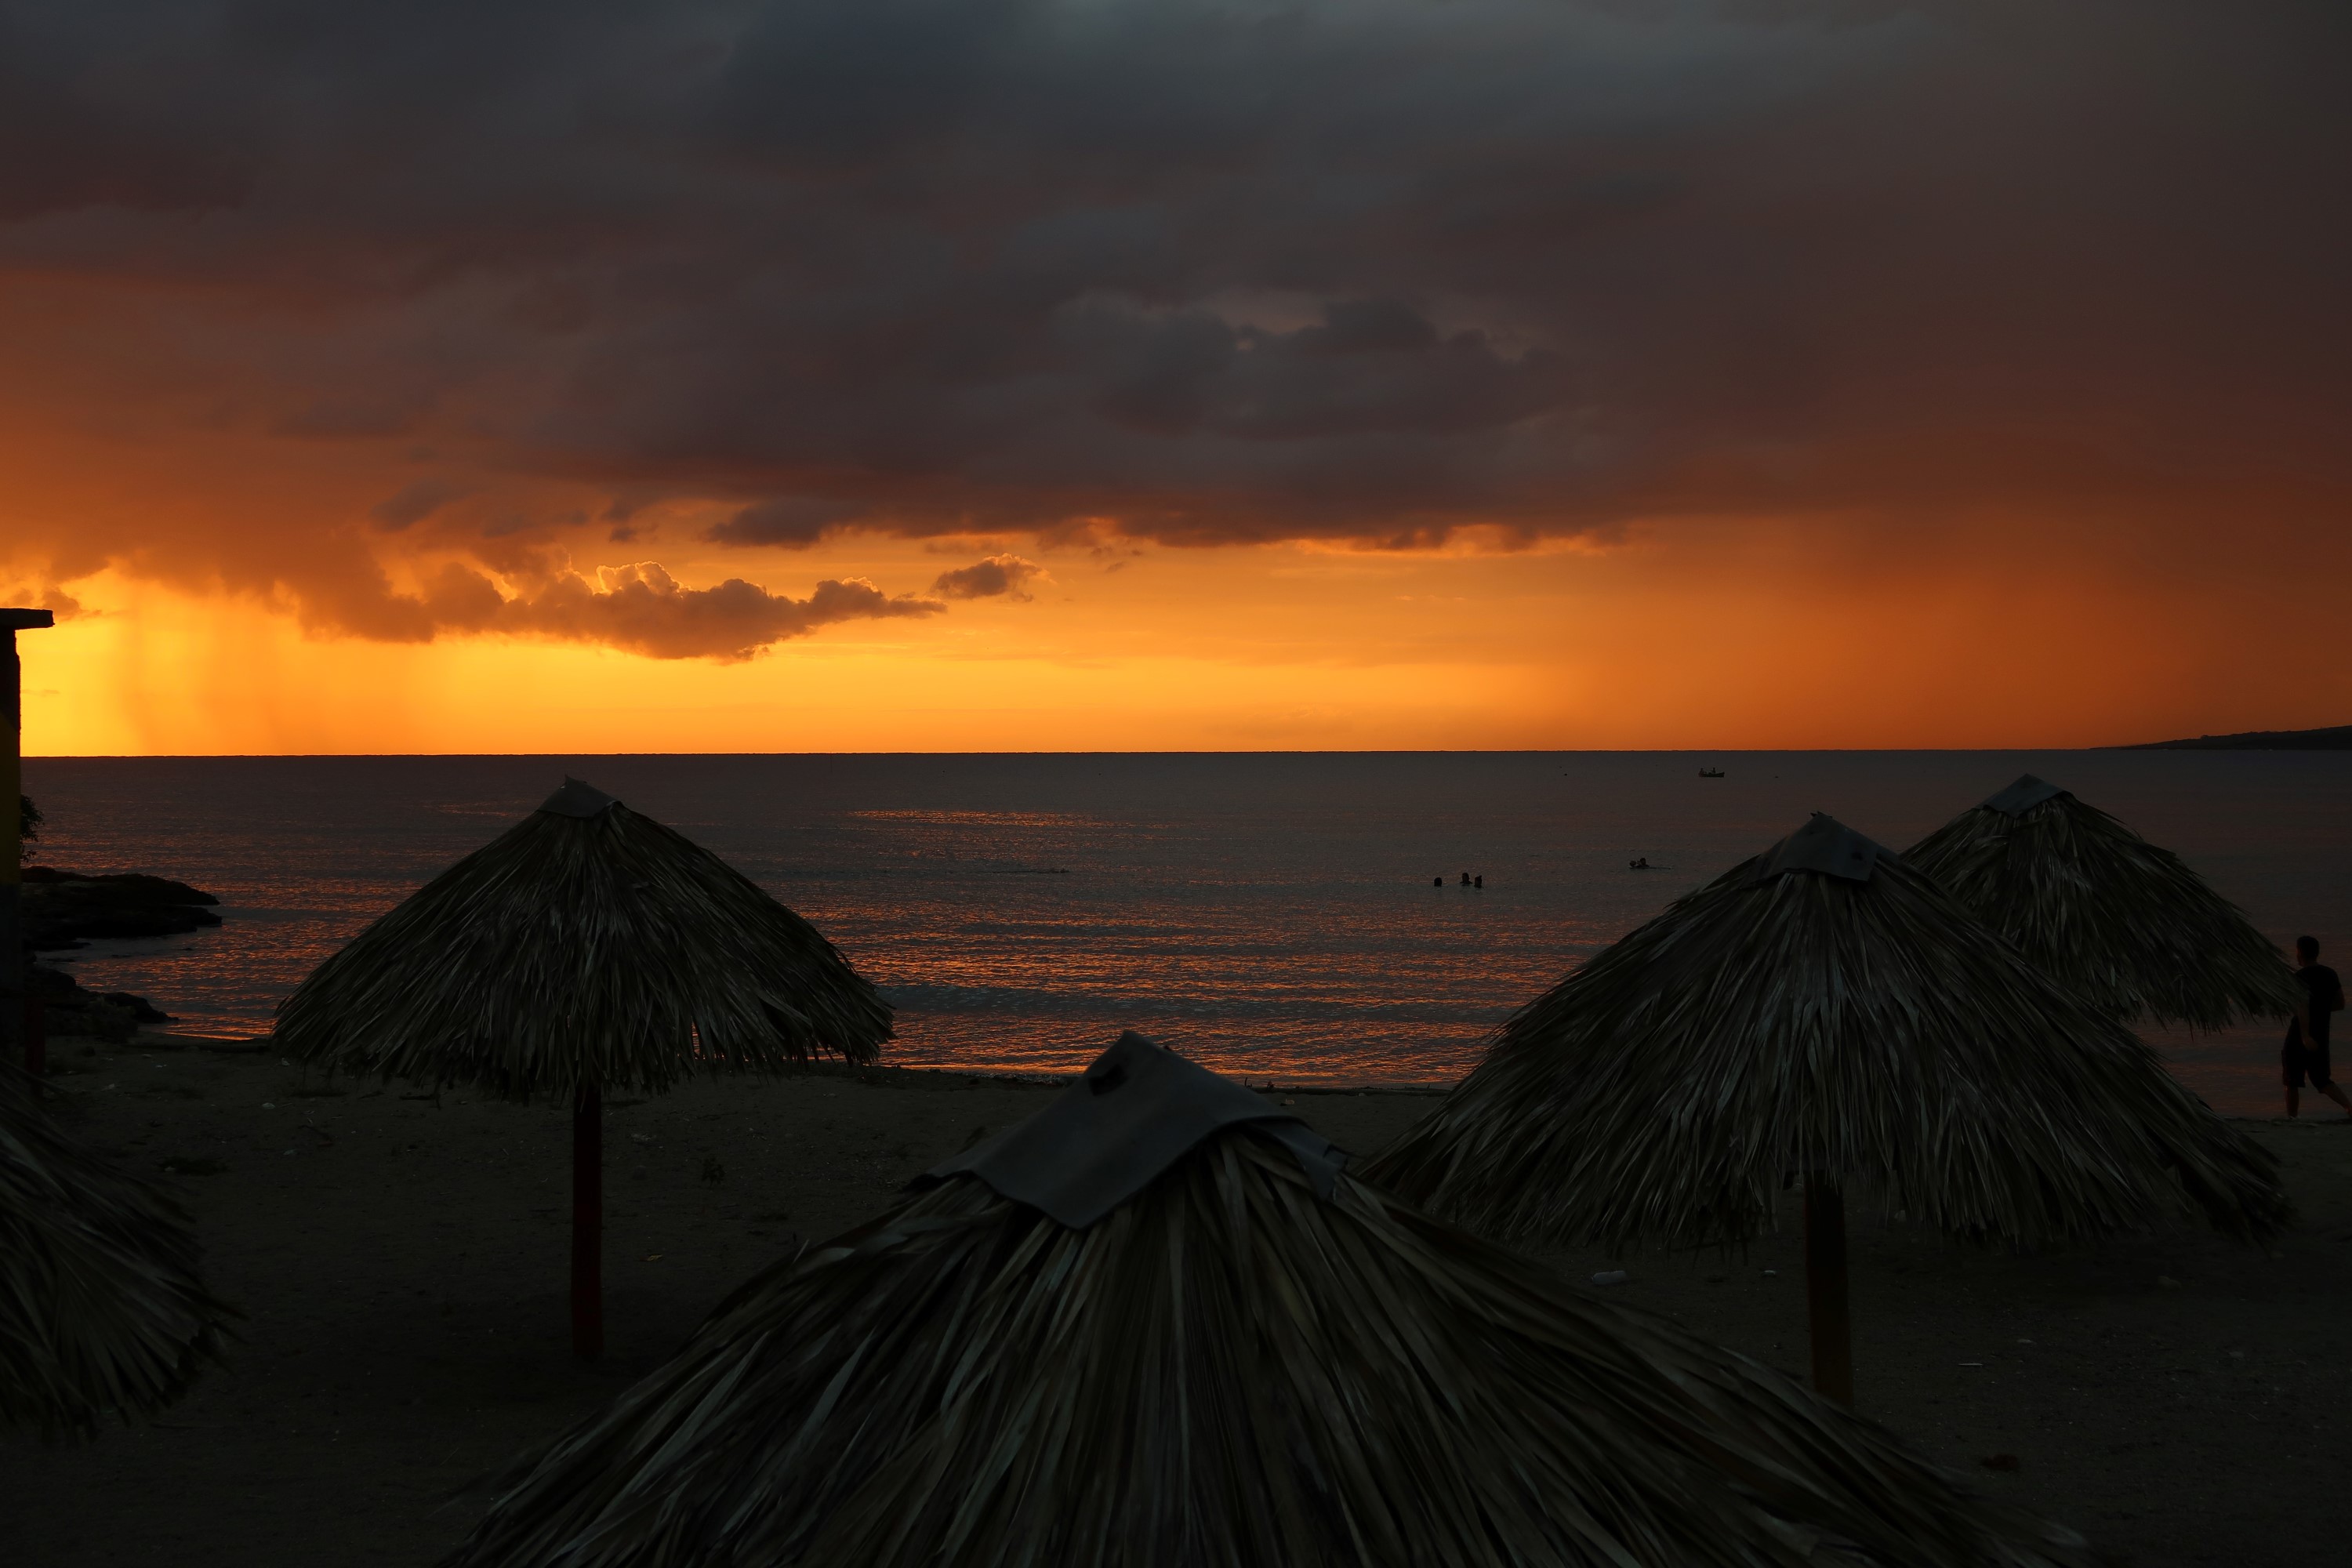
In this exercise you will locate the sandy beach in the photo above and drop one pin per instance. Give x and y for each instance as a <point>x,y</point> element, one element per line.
<point>401,1266</point>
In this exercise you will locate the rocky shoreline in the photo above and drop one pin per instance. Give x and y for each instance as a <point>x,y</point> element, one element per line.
<point>67,910</point>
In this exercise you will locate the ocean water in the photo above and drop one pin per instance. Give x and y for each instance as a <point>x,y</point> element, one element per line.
<point>1272,914</point>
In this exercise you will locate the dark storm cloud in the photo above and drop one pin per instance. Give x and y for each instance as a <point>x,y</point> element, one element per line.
<point>794,521</point>
<point>1368,366</point>
<point>1214,272</point>
<point>415,502</point>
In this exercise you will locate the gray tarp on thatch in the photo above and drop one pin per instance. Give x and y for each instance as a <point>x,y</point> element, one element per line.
<point>101,1310</point>
<point>587,946</point>
<point>1086,1154</point>
<point>2119,921</point>
<point>1782,1021</point>
<point>1226,1368</point>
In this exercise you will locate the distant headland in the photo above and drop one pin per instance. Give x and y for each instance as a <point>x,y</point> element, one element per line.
<point>2335,738</point>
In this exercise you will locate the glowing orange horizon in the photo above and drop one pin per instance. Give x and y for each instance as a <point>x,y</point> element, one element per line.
<point>1712,637</point>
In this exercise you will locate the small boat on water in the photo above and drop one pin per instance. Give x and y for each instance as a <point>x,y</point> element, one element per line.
<point>1710,772</point>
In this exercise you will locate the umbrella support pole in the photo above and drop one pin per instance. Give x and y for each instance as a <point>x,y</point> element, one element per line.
<point>1825,1295</point>
<point>588,1226</point>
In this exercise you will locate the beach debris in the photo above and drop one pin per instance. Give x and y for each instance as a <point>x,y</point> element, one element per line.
<point>1611,1277</point>
<point>1337,1376</point>
<point>1823,1013</point>
<point>2121,923</point>
<point>588,950</point>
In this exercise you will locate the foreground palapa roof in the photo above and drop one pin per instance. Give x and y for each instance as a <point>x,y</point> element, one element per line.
<point>1823,1007</point>
<point>102,1310</point>
<point>2123,924</point>
<point>1230,1352</point>
<point>587,946</point>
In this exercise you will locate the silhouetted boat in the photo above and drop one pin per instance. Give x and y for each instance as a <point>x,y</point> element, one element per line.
<point>1710,772</point>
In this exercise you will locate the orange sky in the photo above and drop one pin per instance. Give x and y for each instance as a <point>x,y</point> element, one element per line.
<point>1129,377</point>
<point>1722,635</point>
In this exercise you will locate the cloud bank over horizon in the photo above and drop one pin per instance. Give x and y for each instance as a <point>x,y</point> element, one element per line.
<point>464,288</point>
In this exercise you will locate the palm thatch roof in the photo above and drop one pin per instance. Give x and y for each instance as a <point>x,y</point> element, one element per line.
<point>2123,924</point>
<point>101,1310</point>
<point>1247,1357</point>
<point>1822,1008</point>
<point>588,947</point>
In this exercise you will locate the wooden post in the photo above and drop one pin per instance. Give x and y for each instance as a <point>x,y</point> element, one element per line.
<point>1825,1302</point>
<point>12,989</point>
<point>588,1226</point>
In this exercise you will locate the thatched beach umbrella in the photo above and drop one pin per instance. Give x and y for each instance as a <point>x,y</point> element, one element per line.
<point>101,1308</point>
<point>1157,1325</point>
<point>2123,924</point>
<point>586,950</point>
<point>1824,1011</point>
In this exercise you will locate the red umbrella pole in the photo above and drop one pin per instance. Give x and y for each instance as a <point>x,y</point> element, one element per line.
<point>1833,1328</point>
<point>588,1226</point>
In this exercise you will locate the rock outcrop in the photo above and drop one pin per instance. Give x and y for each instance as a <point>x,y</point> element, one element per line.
<point>68,1009</point>
<point>65,909</point>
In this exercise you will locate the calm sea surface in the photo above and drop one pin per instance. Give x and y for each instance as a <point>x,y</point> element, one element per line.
<point>1272,914</point>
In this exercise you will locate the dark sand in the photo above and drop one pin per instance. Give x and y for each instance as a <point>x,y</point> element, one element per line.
<point>402,1268</point>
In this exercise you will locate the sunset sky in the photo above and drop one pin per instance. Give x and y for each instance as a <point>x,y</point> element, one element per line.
<point>914,374</point>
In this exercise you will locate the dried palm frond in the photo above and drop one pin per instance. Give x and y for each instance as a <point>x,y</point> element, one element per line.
<point>101,1308</point>
<point>2123,924</point>
<point>587,947</point>
<point>1787,1021</point>
<point>1238,1363</point>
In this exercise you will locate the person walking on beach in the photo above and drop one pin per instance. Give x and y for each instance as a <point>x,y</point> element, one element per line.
<point>2307,1037</point>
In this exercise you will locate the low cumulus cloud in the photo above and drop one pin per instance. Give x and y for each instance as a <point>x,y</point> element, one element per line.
<point>639,606</point>
<point>1191,271</point>
<point>994,576</point>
